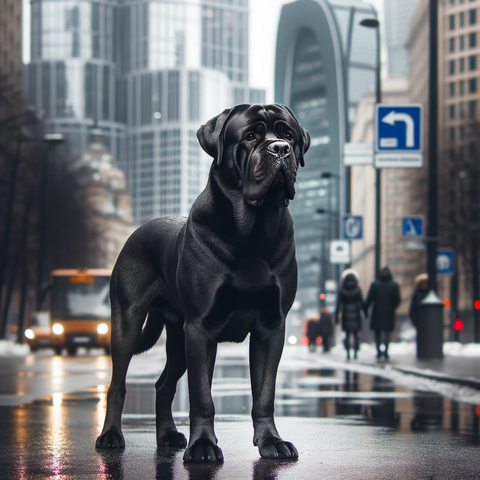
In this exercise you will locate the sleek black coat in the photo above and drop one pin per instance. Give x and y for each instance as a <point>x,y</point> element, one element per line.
<point>384,293</point>
<point>350,304</point>
<point>325,325</point>
<point>418,295</point>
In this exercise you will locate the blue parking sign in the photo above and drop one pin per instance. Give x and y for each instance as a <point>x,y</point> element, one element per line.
<point>445,261</point>
<point>398,128</point>
<point>353,227</point>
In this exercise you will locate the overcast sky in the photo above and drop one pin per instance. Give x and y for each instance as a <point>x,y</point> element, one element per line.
<point>264,16</point>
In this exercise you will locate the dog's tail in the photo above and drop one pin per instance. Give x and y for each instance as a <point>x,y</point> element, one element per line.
<point>151,332</point>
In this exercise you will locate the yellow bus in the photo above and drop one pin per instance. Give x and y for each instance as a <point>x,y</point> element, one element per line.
<point>80,309</point>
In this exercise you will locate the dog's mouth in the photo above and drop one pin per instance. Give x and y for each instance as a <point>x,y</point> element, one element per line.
<point>274,177</point>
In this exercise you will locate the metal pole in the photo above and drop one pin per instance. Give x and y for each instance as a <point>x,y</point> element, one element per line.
<point>432,224</point>
<point>378,171</point>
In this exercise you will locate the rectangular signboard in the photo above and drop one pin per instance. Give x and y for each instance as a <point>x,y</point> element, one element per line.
<point>398,160</point>
<point>358,154</point>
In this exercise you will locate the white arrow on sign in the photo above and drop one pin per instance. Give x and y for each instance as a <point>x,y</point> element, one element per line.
<point>393,117</point>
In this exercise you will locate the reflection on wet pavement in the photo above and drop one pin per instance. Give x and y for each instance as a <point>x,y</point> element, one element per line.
<point>325,393</point>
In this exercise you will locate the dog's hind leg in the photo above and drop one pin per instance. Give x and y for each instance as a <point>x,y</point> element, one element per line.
<point>127,325</point>
<point>264,359</point>
<point>166,386</point>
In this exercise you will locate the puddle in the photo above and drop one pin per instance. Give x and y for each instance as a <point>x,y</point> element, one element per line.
<point>326,393</point>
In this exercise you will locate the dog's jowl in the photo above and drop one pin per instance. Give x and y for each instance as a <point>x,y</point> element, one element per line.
<point>226,271</point>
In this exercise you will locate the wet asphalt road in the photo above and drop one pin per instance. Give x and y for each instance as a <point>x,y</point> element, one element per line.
<point>345,424</point>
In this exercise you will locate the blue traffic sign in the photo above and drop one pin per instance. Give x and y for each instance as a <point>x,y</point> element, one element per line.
<point>398,128</point>
<point>353,227</point>
<point>445,261</point>
<point>412,227</point>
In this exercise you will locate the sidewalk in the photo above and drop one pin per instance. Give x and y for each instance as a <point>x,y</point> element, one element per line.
<point>460,365</point>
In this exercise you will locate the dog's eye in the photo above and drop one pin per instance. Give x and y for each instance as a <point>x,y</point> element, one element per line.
<point>289,136</point>
<point>250,137</point>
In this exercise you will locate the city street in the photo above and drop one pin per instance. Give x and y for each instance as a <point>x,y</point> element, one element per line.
<point>348,420</point>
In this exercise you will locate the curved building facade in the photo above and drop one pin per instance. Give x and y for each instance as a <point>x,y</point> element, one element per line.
<point>325,64</point>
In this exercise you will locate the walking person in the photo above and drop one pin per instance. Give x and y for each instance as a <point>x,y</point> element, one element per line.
<point>350,306</point>
<point>312,333</point>
<point>325,328</point>
<point>384,294</point>
<point>420,292</point>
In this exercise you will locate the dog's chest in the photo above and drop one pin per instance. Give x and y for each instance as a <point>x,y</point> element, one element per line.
<point>247,299</point>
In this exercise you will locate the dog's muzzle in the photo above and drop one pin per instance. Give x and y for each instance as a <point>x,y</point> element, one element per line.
<point>276,167</point>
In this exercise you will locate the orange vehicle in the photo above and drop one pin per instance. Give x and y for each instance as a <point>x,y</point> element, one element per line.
<point>80,309</point>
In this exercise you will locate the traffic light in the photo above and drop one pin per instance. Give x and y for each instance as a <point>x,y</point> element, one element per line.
<point>457,328</point>
<point>477,304</point>
<point>322,296</point>
<point>447,303</point>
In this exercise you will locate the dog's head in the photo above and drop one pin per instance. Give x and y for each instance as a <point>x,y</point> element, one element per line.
<point>259,147</point>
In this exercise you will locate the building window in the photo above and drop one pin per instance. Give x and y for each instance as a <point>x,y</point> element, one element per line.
<point>462,19</point>
<point>472,85</point>
<point>462,132</point>
<point>451,89</point>
<point>451,134</point>
<point>451,44</point>
<point>451,67</point>
<point>462,65</point>
<point>472,40</point>
<point>462,43</point>
<point>451,22</point>
<point>472,109</point>
<point>472,62</point>
<point>462,110</point>
<point>472,17</point>
<point>461,87</point>
<point>451,111</point>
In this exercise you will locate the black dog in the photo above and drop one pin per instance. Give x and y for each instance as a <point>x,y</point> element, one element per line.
<point>227,270</point>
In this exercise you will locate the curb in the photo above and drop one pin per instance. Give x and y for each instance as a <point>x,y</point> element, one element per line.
<point>471,383</point>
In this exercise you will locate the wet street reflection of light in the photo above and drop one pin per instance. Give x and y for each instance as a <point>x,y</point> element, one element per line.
<point>56,437</point>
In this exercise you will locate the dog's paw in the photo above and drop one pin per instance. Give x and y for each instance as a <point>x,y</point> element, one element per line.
<point>278,449</point>
<point>173,440</point>
<point>203,451</point>
<point>110,439</point>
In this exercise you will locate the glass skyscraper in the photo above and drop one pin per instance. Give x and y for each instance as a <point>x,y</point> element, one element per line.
<point>325,63</point>
<point>149,72</point>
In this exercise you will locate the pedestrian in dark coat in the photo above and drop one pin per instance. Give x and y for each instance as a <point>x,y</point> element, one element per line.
<point>312,333</point>
<point>350,306</point>
<point>420,292</point>
<point>384,294</point>
<point>325,328</point>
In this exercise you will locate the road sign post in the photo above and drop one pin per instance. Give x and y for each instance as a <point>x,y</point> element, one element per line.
<point>352,227</point>
<point>398,140</point>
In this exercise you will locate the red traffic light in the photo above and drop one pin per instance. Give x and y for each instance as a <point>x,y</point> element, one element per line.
<point>322,296</point>
<point>458,325</point>
<point>447,303</point>
<point>477,304</point>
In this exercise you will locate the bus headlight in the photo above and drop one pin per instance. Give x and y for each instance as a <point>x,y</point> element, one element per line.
<point>102,329</point>
<point>29,334</point>
<point>57,329</point>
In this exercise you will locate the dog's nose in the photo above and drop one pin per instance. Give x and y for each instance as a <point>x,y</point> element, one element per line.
<point>279,148</point>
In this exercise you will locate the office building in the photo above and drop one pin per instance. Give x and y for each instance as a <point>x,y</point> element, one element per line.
<point>397,15</point>
<point>146,73</point>
<point>325,64</point>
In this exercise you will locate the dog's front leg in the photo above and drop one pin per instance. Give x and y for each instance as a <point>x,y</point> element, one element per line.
<point>264,359</point>
<point>201,352</point>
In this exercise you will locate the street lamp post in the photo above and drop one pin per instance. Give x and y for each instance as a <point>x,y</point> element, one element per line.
<point>374,23</point>
<point>52,140</point>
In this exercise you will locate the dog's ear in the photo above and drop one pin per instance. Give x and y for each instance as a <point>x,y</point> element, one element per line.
<point>306,144</point>
<point>305,137</point>
<point>211,135</point>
